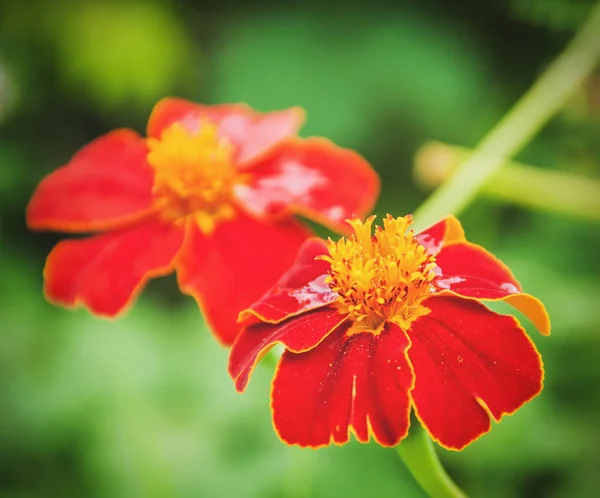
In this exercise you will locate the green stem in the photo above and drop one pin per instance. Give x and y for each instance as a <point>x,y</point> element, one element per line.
<point>418,454</point>
<point>548,190</point>
<point>515,130</point>
<point>517,183</point>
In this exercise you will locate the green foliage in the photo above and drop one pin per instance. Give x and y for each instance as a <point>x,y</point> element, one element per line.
<point>127,51</point>
<point>147,407</point>
<point>350,74</point>
<point>122,53</point>
<point>554,14</point>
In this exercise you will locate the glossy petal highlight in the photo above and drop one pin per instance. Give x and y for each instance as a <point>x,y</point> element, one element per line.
<point>447,231</point>
<point>296,334</point>
<point>357,383</point>
<point>233,267</point>
<point>302,288</point>
<point>469,363</point>
<point>105,272</point>
<point>314,178</point>
<point>469,270</point>
<point>107,184</point>
<point>252,133</point>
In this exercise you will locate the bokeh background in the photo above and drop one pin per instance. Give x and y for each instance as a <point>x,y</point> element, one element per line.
<point>142,406</point>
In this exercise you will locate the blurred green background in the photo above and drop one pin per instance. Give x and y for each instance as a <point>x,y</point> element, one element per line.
<point>142,406</point>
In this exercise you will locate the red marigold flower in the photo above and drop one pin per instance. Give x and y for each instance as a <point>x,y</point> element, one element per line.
<point>210,193</point>
<point>376,324</point>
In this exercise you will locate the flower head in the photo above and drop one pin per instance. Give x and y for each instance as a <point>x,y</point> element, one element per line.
<point>210,193</point>
<point>377,324</point>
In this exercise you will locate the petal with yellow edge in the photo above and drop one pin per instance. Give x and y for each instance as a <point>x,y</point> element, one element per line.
<point>470,364</point>
<point>447,231</point>
<point>311,177</point>
<point>355,383</point>
<point>469,270</point>
<point>107,184</point>
<point>233,266</point>
<point>105,272</point>
<point>296,334</point>
<point>250,132</point>
<point>302,288</point>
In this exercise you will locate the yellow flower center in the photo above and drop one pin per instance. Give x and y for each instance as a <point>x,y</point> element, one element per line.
<point>380,277</point>
<point>193,175</point>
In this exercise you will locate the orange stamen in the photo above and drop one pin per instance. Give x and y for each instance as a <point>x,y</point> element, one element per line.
<point>193,175</point>
<point>380,277</point>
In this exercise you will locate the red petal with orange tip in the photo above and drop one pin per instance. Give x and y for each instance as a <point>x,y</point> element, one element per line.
<point>357,383</point>
<point>233,267</point>
<point>312,177</point>
<point>252,133</point>
<point>302,288</point>
<point>105,272</point>
<point>447,231</point>
<point>469,363</point>
<point>297,334</point>
<point>106,184</point>
<point>470,271</point>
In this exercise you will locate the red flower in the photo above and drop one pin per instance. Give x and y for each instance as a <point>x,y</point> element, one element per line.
<point>210,193</point>
<point>375,325</point>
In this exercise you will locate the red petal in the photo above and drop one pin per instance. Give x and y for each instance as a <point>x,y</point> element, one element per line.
<point>312,177</point>
<point>252,133</point>
<point>106,184</point>
<point>105,272</point>
<point>357,383</point>
<point>470,363</point>
<point>302,288</point>
<point>447,231</point>
<point>470,271</point>
<point>297,334</point>
<point>233,267</point>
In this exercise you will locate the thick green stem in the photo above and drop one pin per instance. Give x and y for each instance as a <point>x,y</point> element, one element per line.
<point>515,130</point>
<point>517,183</point>
<point>418,454</point>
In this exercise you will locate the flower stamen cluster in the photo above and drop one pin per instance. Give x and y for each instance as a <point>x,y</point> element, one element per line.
<point>380,277</point>
<point>193,174</point>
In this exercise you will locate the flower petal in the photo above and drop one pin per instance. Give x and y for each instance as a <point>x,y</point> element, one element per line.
<point>447,231</point>
<point>470,271</point>
<point>252,133</point>
<point>357,383</point>
<point>300,289</point>
<point>314,178</point>
<point>233,267</point>
<point>297,334</point>
<point>470,363</point>
<point>107,184</point>
<point>105,272</point>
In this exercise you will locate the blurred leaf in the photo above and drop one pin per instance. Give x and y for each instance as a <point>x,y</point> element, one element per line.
<point>13,174</point>
<point>7,92</point>
<point>149,400</point>
<point>348,75</point>
<point>555,14</point>
<point>131,52</point>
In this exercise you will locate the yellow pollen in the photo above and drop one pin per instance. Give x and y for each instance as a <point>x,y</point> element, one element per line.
<point>381,276</point>
<point>193,175</point>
